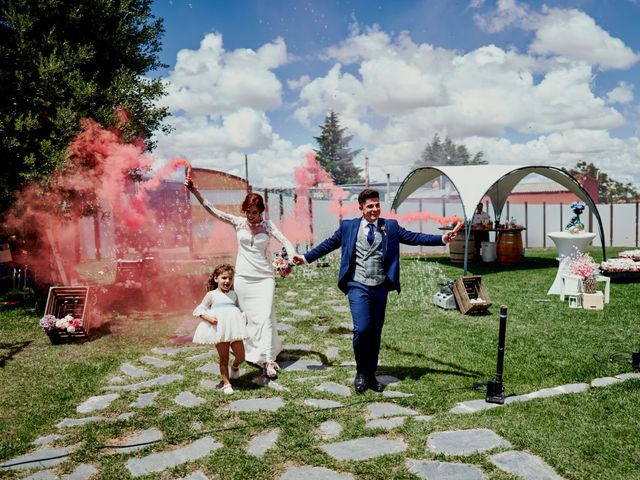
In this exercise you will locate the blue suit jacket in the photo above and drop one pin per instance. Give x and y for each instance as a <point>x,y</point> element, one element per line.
<point>392,236</point>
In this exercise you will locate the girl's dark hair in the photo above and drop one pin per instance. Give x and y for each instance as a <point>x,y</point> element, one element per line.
<point>225,267</point>
<point>253,200</point>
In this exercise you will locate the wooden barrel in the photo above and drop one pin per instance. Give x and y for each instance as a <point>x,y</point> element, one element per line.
<point>456,248</point>
<point>509,247</point>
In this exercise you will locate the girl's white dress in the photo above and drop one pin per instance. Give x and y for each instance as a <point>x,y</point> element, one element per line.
<point>255,284</point>
<point>231,323</point>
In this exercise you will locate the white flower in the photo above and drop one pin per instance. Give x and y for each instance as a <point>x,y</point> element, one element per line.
<point>71,329</point>
<point>68,318</point>
<point>62,324</point>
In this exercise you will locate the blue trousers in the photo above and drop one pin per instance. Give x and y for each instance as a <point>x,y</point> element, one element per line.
<point>368,305</point>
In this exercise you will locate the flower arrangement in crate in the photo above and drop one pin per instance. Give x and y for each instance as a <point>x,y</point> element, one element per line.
<point>585,267</point>
<point>51,324</point>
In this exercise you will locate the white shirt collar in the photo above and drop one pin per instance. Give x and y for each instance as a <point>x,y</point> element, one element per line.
<point>364,223</point>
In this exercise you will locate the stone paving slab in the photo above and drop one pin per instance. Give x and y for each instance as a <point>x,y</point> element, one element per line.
<point>133,371</point>
<point>313,473</point>
<point>396,394</point>
<point>145,400</point>
<point>156,462</point>
<point>321,403</point>
<point>524,465</point>
<point>154,382</point>
<point>264,381</point>
<point>255,404</point>
<point>321,328</point>
<point>332,353</point>
<point>207,384</point>
<point>43,475</point>
<point>386,423</point>
<point>302,365</point>
<point>156,362</point>
<point>211,368</point>
<point>428,470</point>
<point>44,457</point>
<point>202,356</point>
<point>329,430</point>
<point>629,376</point>
<point>171,351</point>
<point>301,313</point>
<point>308,379</point>
<point>604,381</point>
<point>197,475</point>
<point>84,471</point>
<point>137,442</point>
<point>74,422</point>
<point>387,409</point>
<point>47,439</point>
<point>262,442</point>
<point>422,418</point>
<point>334,388</point>
<point>188,399</point>
<point>465,442</point>
<point>475,406</point>
<point>388,380</point>
<point>99,402</point>
<point>285,327</point>
<point>340,309</point>
<point>364,448</point>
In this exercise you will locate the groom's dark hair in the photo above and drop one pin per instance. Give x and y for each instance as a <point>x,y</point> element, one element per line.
<point>366,194</point>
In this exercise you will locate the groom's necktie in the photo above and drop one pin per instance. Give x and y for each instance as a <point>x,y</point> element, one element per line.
<point>371,234</point>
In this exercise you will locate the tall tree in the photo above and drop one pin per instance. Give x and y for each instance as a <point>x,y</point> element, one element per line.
<point>62,60</point>
<point>334,154</point>
<point>447,153</point>
<point>609,190</point>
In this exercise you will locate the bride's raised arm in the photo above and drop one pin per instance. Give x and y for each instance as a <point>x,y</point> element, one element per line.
<point>219,214</point>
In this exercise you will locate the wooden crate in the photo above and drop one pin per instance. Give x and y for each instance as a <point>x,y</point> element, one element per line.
<point>593,301</point>
<point>471,287</point>
<point>73,301</point>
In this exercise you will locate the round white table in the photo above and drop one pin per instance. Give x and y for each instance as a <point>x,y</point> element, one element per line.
<point>567,244</point>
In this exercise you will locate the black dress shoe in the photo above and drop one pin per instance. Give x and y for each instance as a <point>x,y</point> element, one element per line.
<point>372,383</point>
<point>360,383</point>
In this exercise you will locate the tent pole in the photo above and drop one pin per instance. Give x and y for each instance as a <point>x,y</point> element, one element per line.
<point>467,233</point>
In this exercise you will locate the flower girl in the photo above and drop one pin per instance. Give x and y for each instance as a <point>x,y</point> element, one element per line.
<point>222,323</point>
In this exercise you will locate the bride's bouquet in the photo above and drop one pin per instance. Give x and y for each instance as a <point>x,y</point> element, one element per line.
<point>280,263</point>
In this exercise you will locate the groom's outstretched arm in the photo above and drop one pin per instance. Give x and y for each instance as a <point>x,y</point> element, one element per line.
<point>329,245</point>
<point>414,238</point>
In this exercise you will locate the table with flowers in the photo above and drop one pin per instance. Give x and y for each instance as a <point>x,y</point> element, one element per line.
<point>571,245</point>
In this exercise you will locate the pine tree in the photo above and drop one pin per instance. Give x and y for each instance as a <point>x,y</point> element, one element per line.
<point>334,154</point>
<point>439,153</point>
<point>61,61</point>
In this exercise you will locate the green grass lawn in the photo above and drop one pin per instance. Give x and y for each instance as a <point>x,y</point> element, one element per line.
<point>437,354</point>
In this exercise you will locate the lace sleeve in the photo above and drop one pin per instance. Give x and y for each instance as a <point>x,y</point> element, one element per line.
<point>273,230</point>
<point>219,214</point>
<point>207,301</point>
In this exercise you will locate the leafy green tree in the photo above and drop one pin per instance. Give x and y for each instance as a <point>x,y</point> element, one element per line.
<point>334,154</point>
<point>439,153</point>
<point>62,60</point>
<point>609,190</point>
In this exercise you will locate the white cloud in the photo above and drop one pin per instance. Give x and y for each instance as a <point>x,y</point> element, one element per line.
<point>212,81</point>
<point>569,33</point>
<point>575,35</point>
<point>623,93</point>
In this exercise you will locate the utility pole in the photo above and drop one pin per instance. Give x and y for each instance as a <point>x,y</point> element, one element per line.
<point>366,172</point>
<point>246,173</point>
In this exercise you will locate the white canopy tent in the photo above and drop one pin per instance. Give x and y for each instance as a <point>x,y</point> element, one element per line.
<point>474,182</point>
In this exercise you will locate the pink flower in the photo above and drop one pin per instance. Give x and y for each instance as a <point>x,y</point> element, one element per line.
<point>583,265</point>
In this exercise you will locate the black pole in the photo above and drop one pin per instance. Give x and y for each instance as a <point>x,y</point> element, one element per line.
<point>495,388</point>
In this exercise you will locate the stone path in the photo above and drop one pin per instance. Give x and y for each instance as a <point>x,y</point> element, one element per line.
<point>174,382</point>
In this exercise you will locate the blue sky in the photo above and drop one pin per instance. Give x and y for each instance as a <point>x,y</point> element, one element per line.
<point>525,82</point>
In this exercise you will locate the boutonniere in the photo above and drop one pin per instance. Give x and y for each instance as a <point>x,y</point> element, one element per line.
<point>383,229</point>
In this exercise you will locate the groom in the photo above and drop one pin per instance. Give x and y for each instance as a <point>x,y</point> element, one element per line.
<point>369,268</point>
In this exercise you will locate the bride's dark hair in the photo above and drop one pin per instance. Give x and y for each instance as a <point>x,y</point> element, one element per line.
<point>225,267</point>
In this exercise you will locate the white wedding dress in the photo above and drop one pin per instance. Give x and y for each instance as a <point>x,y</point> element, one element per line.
<point>254,283</point>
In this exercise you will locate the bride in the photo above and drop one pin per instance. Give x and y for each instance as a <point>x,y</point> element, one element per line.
<point>254,280</point>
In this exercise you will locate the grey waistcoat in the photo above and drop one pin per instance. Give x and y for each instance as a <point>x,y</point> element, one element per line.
<point>369,270</point>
